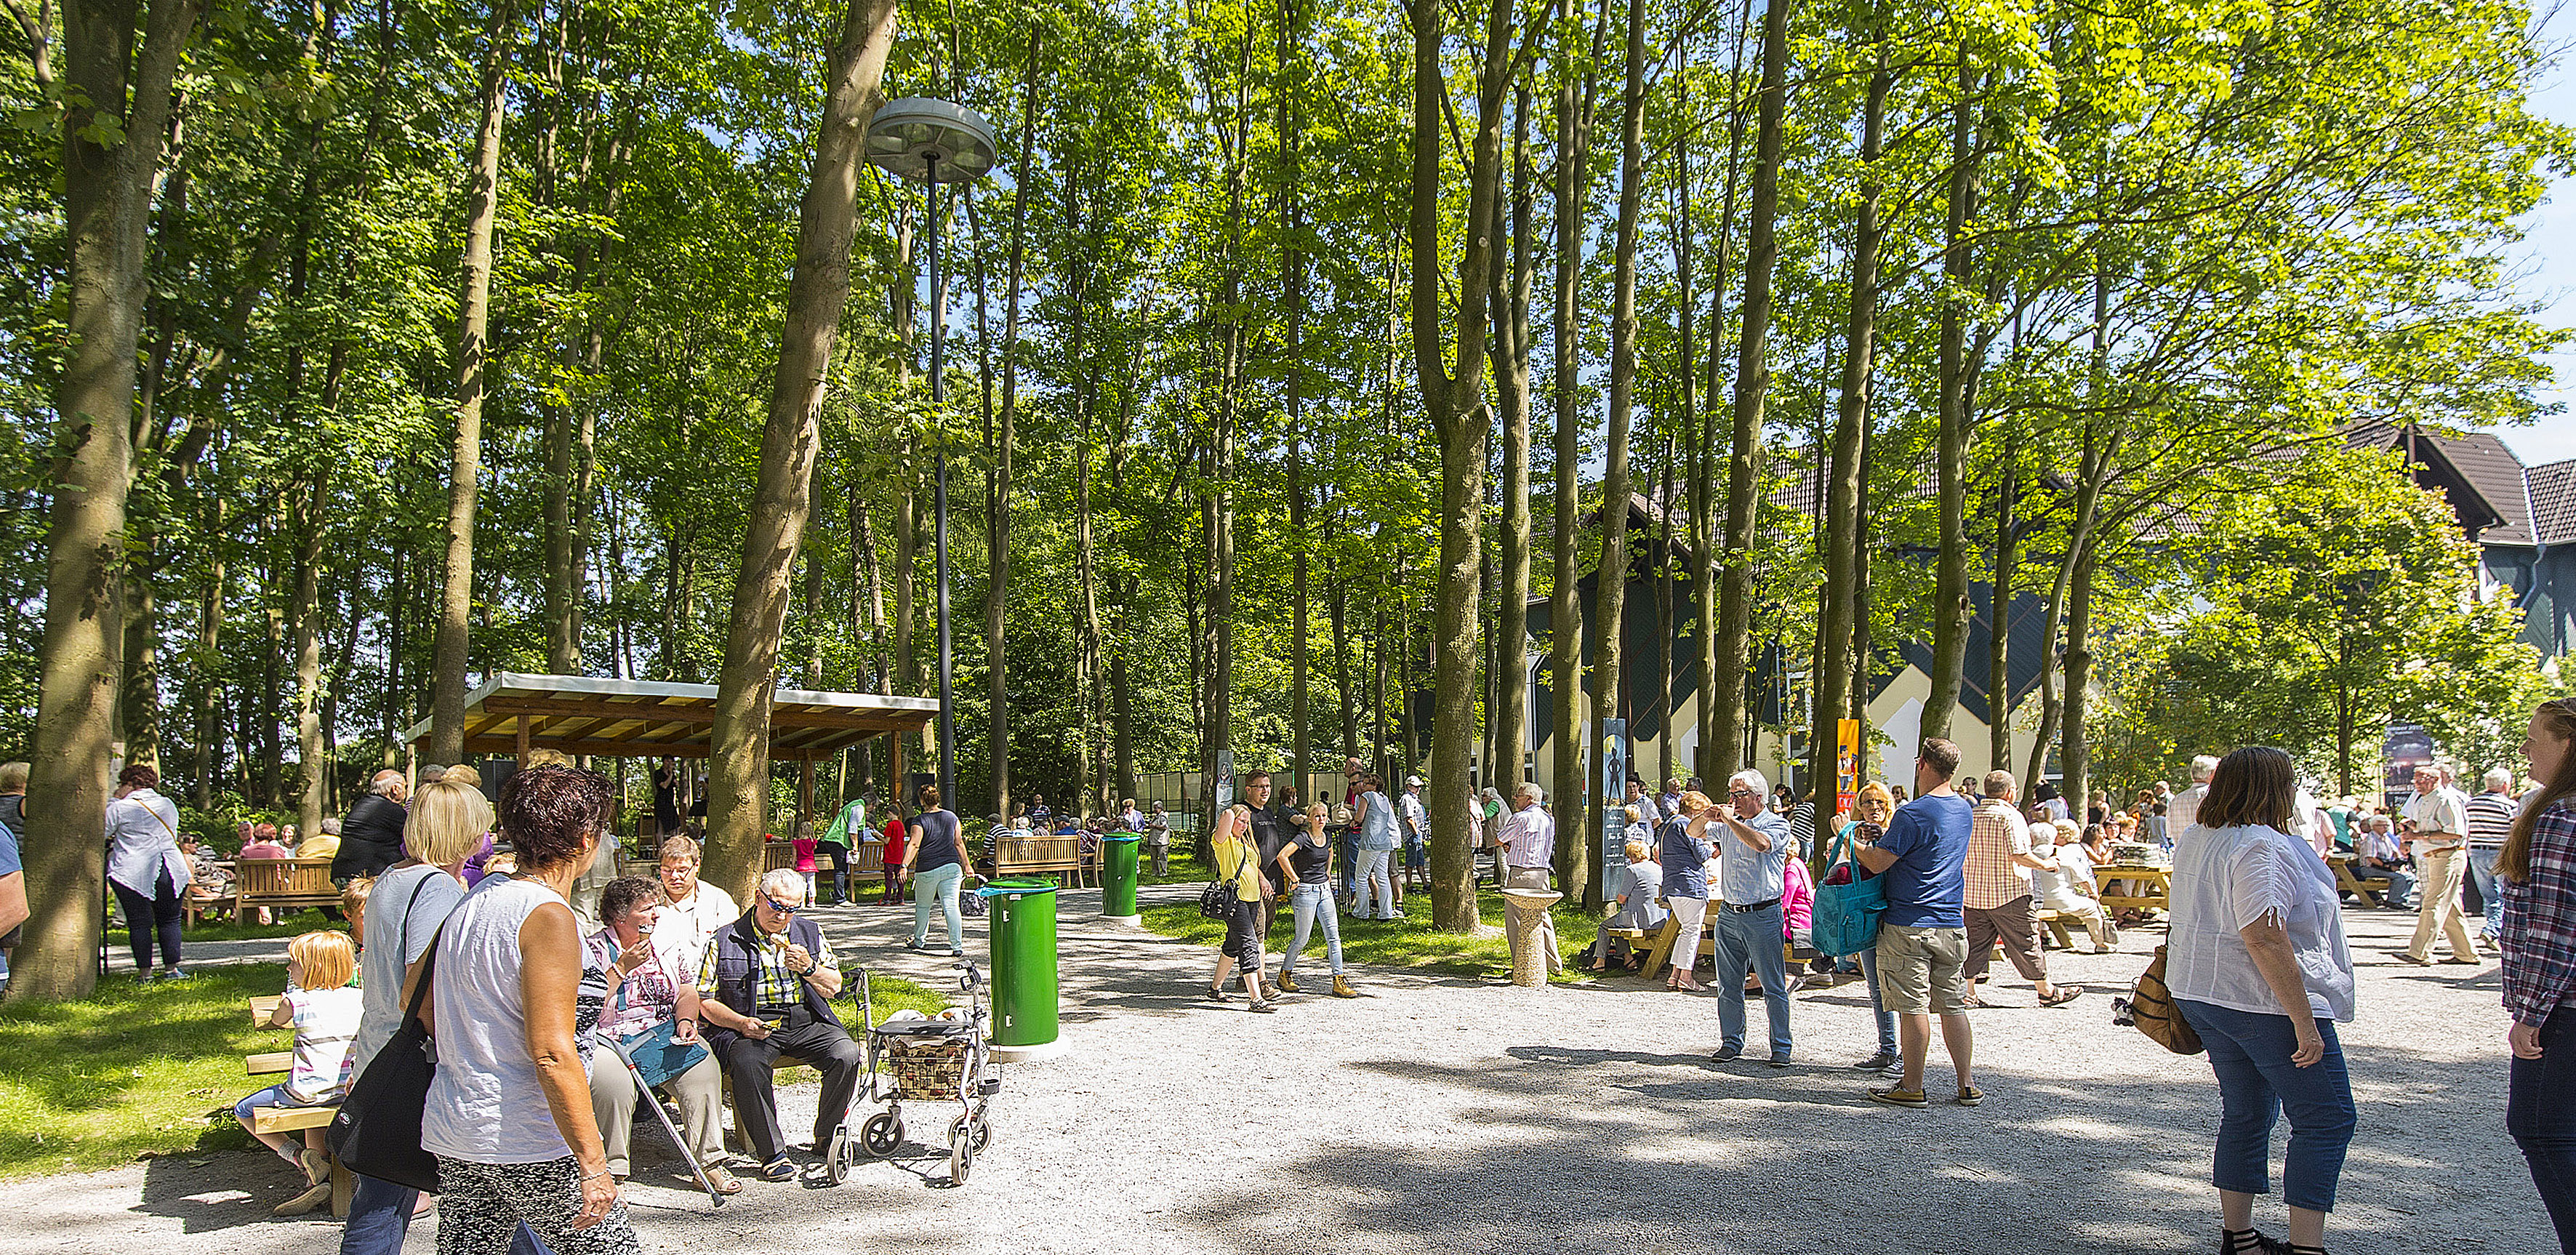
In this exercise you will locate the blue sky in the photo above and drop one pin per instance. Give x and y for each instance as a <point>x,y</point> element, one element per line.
<point>2549,275</point>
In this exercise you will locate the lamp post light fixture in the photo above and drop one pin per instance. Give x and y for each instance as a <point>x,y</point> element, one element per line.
<point>936,142</point>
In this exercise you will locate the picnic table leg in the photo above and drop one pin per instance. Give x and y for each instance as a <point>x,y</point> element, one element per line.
<point>1664,939</point>
<point>343,1185</point>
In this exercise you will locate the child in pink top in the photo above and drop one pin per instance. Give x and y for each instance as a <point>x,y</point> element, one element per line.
<point>805,844</point>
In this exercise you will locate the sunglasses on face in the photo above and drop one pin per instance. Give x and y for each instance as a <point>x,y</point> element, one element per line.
<point>778,906</point>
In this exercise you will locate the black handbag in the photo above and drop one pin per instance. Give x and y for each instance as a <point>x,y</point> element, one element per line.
<point>1219,899</point>
<point>376,1132</point>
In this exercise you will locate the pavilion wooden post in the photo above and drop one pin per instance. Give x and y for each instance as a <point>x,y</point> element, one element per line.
<point>902,800</point>
<point>522,722</point>
<point>804,791</point>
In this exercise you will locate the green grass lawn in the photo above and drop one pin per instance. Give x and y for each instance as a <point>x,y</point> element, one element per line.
<point>139,1070</point>
<point>1406,943</point>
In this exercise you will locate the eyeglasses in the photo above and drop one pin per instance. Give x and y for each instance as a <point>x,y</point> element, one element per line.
<point>1741,793</point>
<point>778,906</point>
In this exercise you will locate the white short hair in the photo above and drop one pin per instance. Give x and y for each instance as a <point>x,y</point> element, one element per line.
<point>2498,779</point>
<point>2202,768</point>
<point>1753,780</point>
<point>1529,789</point>
<point>784,884</point>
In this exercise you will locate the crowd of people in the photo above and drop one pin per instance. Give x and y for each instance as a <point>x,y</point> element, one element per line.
<point>552,985</point>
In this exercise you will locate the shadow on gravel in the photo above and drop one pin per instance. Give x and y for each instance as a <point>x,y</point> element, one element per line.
<point>1581,1148</point>
<point>169,1182</point>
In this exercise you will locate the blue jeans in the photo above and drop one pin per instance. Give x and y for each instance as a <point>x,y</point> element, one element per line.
<point>380,1214</point>
<point>2257,1085</point>
<point>2540,1112</point>
<point>2482,861</point>
<point>1878,1009</point>
<point>1313,902</point>
<point>940,884</point>
<point>1750,941</point>
<point>1374,884</point>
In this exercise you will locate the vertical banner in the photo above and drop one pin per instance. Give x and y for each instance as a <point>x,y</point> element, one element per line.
<point>1224,779</point>
<point>1846,766</point>
<point>1614,778</point>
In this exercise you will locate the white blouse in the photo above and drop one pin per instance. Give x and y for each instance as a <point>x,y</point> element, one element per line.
<point>2227,878</point>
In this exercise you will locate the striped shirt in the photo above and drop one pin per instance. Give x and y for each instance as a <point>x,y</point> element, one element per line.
<point>2491,819</point>
<point>1993,876</point>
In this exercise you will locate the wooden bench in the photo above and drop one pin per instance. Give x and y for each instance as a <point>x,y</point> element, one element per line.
<point>2366,889</point>
<point>2150,883</point>
<point>297,1119</point>
<point>285,884</point>
<point>1667,937</point>
<point>1044,852</point>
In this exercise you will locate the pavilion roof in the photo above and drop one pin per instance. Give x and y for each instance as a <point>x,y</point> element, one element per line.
<point>583,715</point>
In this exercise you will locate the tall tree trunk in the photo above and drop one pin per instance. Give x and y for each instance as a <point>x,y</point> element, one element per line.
<point>1713,759</point>
<point>1576,857</point>
<point>1951,609</point>
<point>474,315</point>
<point>1727,719</point>
<point>1292,286</point>
<point>997,564</point>
<point>111,167</point>
<point>1512,393</point>
<point>817,292</point>
<point>1342,666</point>
<point>209,663</point>
<point>2007,557</point>
<point>1838,616</point>
<point>1461,417</point>
<point>1565,343</point>
<point>312,530</point>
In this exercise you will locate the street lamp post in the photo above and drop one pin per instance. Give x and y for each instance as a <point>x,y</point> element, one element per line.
<point>936,142</point>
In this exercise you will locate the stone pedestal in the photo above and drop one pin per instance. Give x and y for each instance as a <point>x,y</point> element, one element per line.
<point>1523,911</point>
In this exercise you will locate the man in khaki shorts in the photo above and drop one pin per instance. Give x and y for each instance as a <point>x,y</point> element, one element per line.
<point>1922,937</point>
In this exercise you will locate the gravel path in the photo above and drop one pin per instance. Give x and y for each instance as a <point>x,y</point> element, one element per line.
<point>1444,1114</point>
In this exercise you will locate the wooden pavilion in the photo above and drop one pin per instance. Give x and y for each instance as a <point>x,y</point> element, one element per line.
<point>510,714</point>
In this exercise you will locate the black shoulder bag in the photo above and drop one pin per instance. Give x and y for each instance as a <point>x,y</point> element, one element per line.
<point>376,1132</point>
<point>1218,900</point>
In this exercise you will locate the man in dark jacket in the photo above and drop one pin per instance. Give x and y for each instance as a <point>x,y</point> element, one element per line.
<point>766,989</point>
<point>371,838</point>
<point>1272,828</point>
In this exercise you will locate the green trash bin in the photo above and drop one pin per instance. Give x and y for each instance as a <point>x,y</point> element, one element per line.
<point>1023,940</point>
<point>1118,875</point>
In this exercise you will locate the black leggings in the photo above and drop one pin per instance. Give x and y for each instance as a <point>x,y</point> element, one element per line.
<point>160,913</point>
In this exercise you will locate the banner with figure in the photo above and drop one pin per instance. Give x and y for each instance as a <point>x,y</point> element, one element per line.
<point>1846,767</point>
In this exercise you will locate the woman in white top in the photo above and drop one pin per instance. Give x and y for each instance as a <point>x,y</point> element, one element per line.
<point>508,972</point>
<point>146,869</point>
<point>2257,963</point>
<point>410,901</point>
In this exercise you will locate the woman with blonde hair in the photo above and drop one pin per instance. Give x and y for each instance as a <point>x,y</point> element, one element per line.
<point>1684,849</point>
<point>1871,812</point>
<point>405,908</point>
<point>2537,873</point>
<point>1238,861</point>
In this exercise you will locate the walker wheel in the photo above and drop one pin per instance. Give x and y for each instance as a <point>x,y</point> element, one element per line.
<point>836,1159</point>
<point>881,1134</point>
<point>961,1158</point>
<point>980,1124</point>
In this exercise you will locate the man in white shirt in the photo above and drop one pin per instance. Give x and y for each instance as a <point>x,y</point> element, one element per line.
<point>1417,833</point>
<point>2184,810</point>
<point>2437,833</point>
<point>1529,851</point>
<point>692,910</point>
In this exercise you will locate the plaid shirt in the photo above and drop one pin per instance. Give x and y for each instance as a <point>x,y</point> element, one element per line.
<point>2539,928</point>
<point>775,986</point>
<point>1993,877</point>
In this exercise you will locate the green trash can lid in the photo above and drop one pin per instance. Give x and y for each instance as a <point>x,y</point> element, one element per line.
<point>1007,888</point>
<point>1124,836</point>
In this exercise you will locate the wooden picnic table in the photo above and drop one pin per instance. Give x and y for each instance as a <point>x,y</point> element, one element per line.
<point>2368,890</point>
<point>263,1006</point>
<point>2151,886</point>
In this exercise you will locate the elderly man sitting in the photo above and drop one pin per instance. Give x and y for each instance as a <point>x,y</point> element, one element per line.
<point>766,987</point>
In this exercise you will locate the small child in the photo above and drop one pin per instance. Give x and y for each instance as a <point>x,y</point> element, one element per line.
<point>353,903</point>
<point>805,846</point>
<point>323,1009</point>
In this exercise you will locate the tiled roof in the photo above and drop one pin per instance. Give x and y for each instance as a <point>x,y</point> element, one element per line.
<point>2553,502</point>
<point>2498,476</point>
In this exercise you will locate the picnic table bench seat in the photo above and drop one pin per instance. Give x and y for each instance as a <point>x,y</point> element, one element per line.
<point>297,1119</point>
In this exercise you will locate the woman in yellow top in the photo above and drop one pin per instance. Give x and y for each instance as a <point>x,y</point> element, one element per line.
<point>1238,860</point>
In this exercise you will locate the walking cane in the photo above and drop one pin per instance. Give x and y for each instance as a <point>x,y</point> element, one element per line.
<point>654,1101</point>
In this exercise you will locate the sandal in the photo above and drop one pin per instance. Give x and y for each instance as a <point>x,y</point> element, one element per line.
<point>779,1169</point>
<point>1969,1096</point>
<point>1901,1097</point>
<point>724,1181</point>
<point>2064,994</point>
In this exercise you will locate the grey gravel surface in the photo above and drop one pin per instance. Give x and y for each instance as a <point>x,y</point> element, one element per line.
<point>1447,1114</point>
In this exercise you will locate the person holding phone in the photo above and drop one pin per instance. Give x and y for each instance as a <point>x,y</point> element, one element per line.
<point>649,1006</point>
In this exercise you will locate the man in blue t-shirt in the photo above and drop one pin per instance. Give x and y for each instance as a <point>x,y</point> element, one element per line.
<point>1923,936</point>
